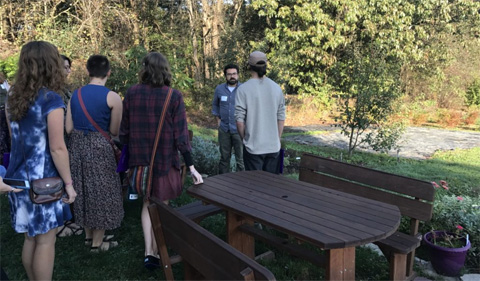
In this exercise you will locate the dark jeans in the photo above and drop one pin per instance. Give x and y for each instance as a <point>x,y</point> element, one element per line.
<point>265,162</point>
<point>226,141</point>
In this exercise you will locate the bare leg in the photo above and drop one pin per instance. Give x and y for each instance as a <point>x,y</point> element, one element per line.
<point>44,255</point>
<point>88,233</point>
<point>147,231</point>
<point>150,243</point>
<point>98,237</point>
<point>27,255</point>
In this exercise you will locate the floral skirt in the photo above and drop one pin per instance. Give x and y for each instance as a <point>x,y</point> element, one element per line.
<point>99,202</point>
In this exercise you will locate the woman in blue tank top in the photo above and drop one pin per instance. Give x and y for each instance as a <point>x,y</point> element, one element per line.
<point>99,204</point>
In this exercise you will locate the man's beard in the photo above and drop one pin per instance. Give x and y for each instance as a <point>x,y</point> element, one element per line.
<point>232,81</point>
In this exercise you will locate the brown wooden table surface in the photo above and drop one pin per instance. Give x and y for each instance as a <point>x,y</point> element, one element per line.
<point>332,220</point>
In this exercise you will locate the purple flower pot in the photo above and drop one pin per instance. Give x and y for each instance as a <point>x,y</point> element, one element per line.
<point>446,261</point>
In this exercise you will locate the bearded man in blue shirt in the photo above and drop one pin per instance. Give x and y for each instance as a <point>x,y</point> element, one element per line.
<point>223,107</point>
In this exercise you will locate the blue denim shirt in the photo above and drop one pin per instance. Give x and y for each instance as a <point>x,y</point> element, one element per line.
<point>223,106</point>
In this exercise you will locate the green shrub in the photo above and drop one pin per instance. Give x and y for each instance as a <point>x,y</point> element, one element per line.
<point>9,66</point>
<point>386,137</point>
<point>472,95</point>
<point>205,156</point>
<point>125,69</point>
<point>450,211</point>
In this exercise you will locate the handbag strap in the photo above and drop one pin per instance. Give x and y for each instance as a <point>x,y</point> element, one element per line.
<point>104,134</point>
<point>157,138</point>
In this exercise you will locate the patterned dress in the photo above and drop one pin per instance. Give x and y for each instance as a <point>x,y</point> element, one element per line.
<point>30,143</point>
<point>99,202</point>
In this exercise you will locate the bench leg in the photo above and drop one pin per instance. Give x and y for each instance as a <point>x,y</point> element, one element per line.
<point>398,266</point>
<point>160,240</point>
<point>239,239</point>
<point>410,262</point>
<point>341,264</point>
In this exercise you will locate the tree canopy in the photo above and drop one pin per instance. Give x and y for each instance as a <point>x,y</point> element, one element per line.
<point>327,49</point>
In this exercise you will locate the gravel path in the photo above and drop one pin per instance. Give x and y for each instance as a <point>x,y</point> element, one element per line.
<point>416,142</point>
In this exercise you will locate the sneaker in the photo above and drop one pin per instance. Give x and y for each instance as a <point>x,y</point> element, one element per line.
<point>151,262</point>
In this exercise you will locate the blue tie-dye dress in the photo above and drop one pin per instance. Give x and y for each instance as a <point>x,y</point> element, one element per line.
<point>32,145</point>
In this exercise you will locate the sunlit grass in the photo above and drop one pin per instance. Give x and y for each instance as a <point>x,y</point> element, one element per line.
<point>305,133</point>
<point>206,133</point>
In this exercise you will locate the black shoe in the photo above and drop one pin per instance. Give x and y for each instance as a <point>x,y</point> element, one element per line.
<point>151,262</point>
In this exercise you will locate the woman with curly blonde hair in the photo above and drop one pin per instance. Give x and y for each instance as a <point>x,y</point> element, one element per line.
<point>36,120</point>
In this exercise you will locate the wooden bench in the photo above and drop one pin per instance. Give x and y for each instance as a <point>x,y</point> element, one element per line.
<point>205,255</point>
<point>413,197</point>
<point>196,211</point>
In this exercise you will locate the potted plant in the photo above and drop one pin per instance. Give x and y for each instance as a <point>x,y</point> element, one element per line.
<point>448,250</point>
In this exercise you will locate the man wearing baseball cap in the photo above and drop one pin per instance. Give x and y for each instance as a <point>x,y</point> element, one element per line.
<point>260,116</point>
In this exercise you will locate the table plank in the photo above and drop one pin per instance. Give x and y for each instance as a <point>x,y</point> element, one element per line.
<point>292,189</point>
<point>321,216</point>
<point>302,214</point>
<point>246,206</point>
<point>311,189</point>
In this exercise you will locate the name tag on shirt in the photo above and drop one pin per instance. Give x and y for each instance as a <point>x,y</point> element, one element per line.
<point>224,98</point>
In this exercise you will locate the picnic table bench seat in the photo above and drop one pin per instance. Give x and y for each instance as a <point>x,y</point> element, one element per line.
<point>205,256</point>
<point>414,199</point>
<point>197,210</point>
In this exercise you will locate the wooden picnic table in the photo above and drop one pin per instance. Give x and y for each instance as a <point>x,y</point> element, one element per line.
<point>331,220</point>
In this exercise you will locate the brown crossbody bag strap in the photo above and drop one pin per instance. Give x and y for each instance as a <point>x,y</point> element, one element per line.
<point>157,139</point>
<point>104,134</point>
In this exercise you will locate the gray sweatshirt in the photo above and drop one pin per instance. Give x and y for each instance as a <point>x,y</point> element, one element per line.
<point>259,104</point>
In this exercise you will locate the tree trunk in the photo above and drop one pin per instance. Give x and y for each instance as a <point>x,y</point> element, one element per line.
<point>237,6</point>
<point>193,37</point>
<point>207,29</point>
<point>218,26</point>
<point>351,145</point>
<point>213,22</point>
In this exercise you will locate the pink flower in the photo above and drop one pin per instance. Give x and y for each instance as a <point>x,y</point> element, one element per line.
<point>435,184</point>
<point>459,198</point>
<point>444,184</point>
<point>459,227</point>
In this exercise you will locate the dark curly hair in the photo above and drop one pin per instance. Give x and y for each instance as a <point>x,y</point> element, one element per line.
<point>155,70</point>
<point>39,65</point>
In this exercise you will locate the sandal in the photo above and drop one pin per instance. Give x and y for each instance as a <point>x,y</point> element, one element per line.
<point>106,238</point>
<point>105,246</point>
<point>69,229</point>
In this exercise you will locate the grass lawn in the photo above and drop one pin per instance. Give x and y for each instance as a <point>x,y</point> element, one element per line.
<point>75,262</point>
